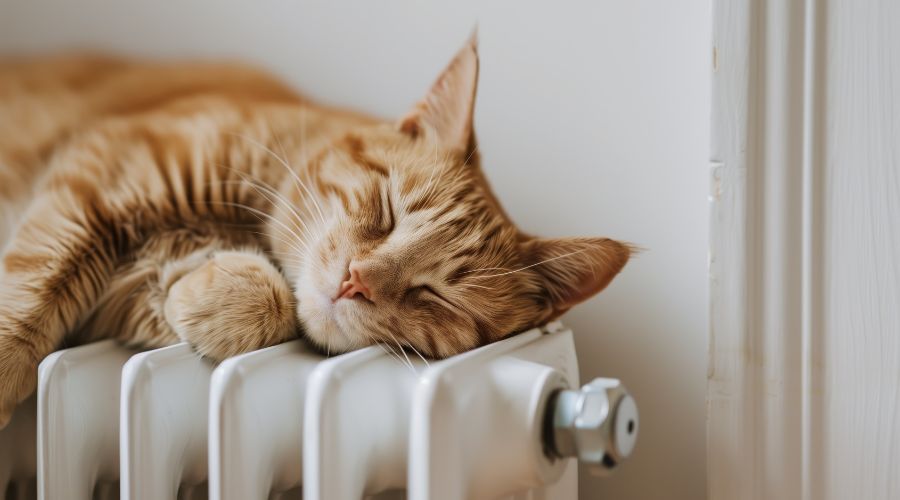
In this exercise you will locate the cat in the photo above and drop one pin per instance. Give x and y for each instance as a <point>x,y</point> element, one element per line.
<point>156,202</point>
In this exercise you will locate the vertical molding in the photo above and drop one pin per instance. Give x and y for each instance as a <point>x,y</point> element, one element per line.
<point>804,353</point>
<point>812,408</point>
<point>760,408</point>
<point>728,447</point>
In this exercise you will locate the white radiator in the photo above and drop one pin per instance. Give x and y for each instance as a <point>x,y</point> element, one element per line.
<point>284,423</point>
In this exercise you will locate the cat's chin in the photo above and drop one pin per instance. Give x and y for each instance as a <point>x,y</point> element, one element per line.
<point>331,325</point>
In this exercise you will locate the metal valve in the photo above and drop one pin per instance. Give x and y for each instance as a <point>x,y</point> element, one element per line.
<point>597,423</point>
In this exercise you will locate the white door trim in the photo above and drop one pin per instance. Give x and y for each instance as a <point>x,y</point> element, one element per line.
<point>762,403</point>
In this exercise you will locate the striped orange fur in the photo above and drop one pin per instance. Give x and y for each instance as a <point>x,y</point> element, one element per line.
<point>152,202</point>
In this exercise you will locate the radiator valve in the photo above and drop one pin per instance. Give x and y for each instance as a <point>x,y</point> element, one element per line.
<point>598,424</point>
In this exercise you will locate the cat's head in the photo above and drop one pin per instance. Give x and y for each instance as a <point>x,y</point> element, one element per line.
<point>411,247</point>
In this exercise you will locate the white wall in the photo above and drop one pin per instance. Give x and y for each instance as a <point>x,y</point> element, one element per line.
<point>593,120</point>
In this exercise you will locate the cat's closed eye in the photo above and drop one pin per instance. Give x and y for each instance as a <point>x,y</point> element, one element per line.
<point>427,291</point>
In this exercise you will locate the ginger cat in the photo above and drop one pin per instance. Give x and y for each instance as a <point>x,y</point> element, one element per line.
<point>153,203</point>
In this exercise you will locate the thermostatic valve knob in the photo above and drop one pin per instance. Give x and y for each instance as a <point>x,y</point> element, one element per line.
<point>597,423</point>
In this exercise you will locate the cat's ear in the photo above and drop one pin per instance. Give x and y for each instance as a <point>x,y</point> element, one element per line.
<point>574,269</point>
<point>447,110</point>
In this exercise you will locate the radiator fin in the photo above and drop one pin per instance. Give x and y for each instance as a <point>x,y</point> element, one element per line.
<point>286,423</point>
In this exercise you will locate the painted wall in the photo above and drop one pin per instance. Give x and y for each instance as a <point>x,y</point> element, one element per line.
<point>593,120</point>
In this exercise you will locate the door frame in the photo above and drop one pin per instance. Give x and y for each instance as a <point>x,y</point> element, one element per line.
<point>763,398</point>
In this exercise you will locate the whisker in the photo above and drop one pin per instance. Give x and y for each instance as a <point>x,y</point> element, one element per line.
<point>289,169</point>
<point>430,185</point>
<point>262,188</point>
<point>371,338</point>
<point>287,242</point>
<point>466,162</point>
<point>260,213</point>
<point>296,177</point>
<point>286,236</point>
<point>468,285</point>
<point>390,351</point>
<point>288,264</point>
<point>434,156</point>
<point>420,354</point>
<point>288,259</point>
<point>432,190</point>
<point>408,362</point>
<point>532,265</point>
<point>260,184</point>
<point>290,243</point>
<point>303,149</point>
<point>486,269</point>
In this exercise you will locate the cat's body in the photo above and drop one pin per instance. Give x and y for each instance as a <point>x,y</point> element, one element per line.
<point>164,152</point>
<point>150,202</point>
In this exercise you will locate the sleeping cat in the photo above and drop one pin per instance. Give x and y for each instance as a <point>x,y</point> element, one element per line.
<point>153,203</point>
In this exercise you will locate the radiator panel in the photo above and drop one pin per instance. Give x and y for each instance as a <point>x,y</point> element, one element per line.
<point>477,420</point>
<point>255,424</point>
<point>165,404</point>
<point>78,421</point>
<point>356,424</point>
<point>367,424</point>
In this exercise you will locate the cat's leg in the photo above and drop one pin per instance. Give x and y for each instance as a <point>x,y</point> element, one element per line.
<point>131,308</point>
<point>234,303</point>
<point>59,266</point>
<point>222,302</point>
<point>54,268</point>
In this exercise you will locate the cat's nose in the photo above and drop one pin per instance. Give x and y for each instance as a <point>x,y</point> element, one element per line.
<point>355,285</point>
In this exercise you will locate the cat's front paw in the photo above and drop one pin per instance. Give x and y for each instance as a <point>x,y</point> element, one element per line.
<point>18,374</point>
<point>235,303</point>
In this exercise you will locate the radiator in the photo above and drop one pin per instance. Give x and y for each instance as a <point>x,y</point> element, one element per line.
<point>503,421</point>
